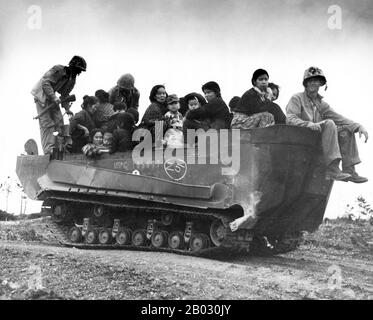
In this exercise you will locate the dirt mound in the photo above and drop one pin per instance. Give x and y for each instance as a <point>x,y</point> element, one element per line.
<point>41,230</point>
<point>345,235</point>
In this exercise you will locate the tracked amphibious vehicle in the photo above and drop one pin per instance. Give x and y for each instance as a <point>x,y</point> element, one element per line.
<point>185,204</point>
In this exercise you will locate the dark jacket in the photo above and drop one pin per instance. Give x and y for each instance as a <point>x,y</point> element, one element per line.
<point>155,112</point>
<point>130,98</point>
<point>251,103</point>
<point>58,79</point>
<point>123,120</point>
<point>79,140</point>
<point>216,111</point>
<point>122,141</point>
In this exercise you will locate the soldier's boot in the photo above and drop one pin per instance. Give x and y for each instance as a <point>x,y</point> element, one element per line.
<point>334,173</point>
<point>354,177</point>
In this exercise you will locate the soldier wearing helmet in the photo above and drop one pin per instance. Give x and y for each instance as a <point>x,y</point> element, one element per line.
<point>60,79</point>
<point>125,92</point>
<point>308,109</point>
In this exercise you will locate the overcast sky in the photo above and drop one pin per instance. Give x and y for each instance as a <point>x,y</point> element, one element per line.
<point>183,44</point>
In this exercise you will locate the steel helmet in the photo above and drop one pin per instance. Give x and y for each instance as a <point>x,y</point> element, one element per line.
<point>314,72</point>
<point>127,81</point>
<point>78,62</point>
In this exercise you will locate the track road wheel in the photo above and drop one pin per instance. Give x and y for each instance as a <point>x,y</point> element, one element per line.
<point>159,238</point>
<point>217,232</point>
<point>91,236</point>
<point>105,237</point>
<point>75,235</point>
<point>124,236</point>
<point>198,242</point>
<point>139,238</point>
<point>59,213</point>
<point>176,240</point>
<point>98,211</point>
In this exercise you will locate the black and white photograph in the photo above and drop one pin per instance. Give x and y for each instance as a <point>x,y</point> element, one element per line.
<point>198,152</point>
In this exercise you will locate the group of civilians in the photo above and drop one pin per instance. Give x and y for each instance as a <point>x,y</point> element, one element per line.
<point>108,119</point>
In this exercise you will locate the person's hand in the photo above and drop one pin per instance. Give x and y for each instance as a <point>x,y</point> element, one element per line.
<point>57,101</point>
<point>364,132</point>
<point>315,127</point>
<point>86,132</point>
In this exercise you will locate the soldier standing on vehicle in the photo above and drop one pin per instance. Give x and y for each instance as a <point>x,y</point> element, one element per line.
<point>308,109</point>
<point>125,92</point>
<point>59,79</point>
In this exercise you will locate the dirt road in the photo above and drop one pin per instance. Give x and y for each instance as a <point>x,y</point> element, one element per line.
<point>317,270</point>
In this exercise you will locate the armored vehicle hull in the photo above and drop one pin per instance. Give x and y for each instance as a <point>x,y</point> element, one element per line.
<point>263,194</point>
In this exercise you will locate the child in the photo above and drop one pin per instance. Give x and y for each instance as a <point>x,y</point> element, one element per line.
<point>108,140</point>
<point>234,103</point>
<point>174,122</point>
<point>193,103</point>
<point>196,101</point>
<point>275,91</point>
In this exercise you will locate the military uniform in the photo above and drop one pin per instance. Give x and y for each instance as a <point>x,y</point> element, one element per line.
<point>130,98</point>
<point>338,139</point>
<point>57,79</point>
<point>125,92</point>
<point>337,132</point>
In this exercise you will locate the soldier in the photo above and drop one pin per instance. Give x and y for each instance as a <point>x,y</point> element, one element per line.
<point>59,79</point>
<point>308,109</point>
<point>125,92</point>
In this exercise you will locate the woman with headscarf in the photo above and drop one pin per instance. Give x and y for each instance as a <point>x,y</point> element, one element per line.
<point>254,109</point>
<point>82,123</point>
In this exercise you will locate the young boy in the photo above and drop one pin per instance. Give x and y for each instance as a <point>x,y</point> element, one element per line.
<point>108,140</point>
<point>174,122</point>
